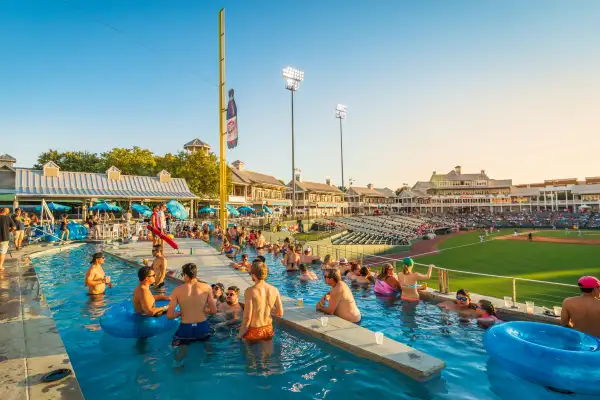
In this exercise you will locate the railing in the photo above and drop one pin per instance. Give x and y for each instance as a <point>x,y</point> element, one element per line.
<point>515,289</point>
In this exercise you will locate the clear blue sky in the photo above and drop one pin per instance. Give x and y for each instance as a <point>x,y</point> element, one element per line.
<point>507,86</point>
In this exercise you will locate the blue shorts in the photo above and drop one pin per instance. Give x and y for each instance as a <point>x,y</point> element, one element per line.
<point>189,333</point>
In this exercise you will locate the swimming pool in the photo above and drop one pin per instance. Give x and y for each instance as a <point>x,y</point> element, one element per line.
<point>299,367</point>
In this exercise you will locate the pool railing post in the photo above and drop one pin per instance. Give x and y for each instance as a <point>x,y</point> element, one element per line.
<point>514,293</point>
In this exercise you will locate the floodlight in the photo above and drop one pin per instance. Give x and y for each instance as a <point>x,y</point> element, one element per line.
<point>293,77</point>
<point>341,111</point>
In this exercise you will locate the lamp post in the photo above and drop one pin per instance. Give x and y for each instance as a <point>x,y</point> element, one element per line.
<point>340,113</point>
<point>293,77</point>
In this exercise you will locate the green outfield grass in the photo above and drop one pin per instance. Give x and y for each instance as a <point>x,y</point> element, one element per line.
<point>585,235</point>
<point>553,262</point>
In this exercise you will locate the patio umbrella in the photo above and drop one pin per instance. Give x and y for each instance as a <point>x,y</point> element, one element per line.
<point>54,207</point>
<point>104,206</point>
<point>142,209</point>
<point>267,210</point>
<point>207,210</point>
<point>177,209</point>
<point>246,210</point>
<point>232,210</point>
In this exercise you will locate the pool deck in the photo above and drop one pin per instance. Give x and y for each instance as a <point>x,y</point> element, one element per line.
<point>213,268</point>
<point>30,345</point>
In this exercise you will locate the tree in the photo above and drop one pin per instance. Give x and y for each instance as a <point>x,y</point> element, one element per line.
<point>81,161</point>
<point>201,172</point>
<point>135,161</point>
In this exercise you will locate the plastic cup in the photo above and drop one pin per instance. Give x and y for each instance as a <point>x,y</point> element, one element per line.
<point>324,321</point>
<point>508,302</point>
<point>557,311</point>
<point>300,302</point>
<point>379,337</point>
<point>529,307</point>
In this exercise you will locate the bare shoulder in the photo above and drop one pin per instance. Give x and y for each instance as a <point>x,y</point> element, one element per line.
<point>248,292</point>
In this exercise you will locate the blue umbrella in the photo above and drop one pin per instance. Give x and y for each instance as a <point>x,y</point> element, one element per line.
<point>142,209</point>
<point>246,210</point>
<point>207,210</point>
<point>267,210</point>
<point>54,207</point>
<point>177,210</point>
<point>104,206</point>
<point>232,210</point>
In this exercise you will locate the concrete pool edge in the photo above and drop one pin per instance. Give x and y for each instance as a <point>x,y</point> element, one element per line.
<point>357,340</point>
<point>31,343</point>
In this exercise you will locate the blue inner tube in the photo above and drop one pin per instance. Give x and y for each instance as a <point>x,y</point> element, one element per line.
<point>122,321</point>
<point>559,358</point>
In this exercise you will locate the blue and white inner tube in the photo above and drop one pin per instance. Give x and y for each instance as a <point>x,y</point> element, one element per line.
<point>559,358</point>
<point>122,321</point>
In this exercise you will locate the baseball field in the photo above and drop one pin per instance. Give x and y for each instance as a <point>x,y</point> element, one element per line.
<point>501,254</point>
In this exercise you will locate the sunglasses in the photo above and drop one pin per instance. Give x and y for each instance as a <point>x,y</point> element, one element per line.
<point>462,298</point>
<point>230,294</point>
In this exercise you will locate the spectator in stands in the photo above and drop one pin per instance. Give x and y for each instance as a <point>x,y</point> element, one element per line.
<point>408,280</point>
<point>461,305</point>
<point>583,312</point>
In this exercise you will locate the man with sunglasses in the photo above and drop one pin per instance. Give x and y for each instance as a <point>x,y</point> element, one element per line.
<point>461,305</point>
<point>143,301</point>
<point>95,279</point>
<point>232,304</point>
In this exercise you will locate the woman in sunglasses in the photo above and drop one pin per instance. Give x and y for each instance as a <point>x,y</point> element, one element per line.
<point>461,305</point>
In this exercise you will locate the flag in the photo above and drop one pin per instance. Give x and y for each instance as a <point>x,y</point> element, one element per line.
<point>232,127</point>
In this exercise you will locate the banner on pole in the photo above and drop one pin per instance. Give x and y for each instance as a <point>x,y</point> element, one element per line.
<point>232,126</point>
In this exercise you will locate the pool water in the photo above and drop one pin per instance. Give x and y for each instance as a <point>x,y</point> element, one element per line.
<point>295,367</point>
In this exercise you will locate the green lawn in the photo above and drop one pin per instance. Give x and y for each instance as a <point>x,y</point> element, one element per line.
<point>585,235</point>
<point>563,263</point>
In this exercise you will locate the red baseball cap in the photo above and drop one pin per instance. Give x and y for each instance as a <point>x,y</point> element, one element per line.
<point>588,282</point>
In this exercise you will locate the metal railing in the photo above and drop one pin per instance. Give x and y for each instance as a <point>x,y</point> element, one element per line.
<point>542,293</point>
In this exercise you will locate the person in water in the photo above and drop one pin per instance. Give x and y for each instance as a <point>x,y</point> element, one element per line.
<point>328,263</point>
<point>462,304</point>
<point>232,304</point>
<point>159,265</point>
<point>244,263</point>
<point>291,259</point>
<point>583,312</point>
<point>143,301</point>
<point>218,292</point>
<point>354,272</point>
<point>486,314</point>
<point>306,275</point>
<point>386,280</point>
<point>340,301</point>
<point>261,301</point>
<point>408,279</point>
<point>95,278</point>
<point>365,277</point>
<point>307,258</point>
<point>260,241</point>
<point>195,300</point>
<point>229,249</point>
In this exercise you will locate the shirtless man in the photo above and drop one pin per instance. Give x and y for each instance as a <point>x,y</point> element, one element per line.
<point>95,279</point>
<point>143,301</point>
<point>232,304</point>
<point>340,299</point>
<point>261,301</point>
<point>306,275</point>
<point>195,301</point>
<point>307,258</point>
<point>159,265</point>
<point>583,312</point>
<point>462,305</point>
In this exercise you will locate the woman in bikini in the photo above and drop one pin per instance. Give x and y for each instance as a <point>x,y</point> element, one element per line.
<point>64,227</point>
<point>229,249</point>
<point>243,264</point>
<point>291,259</point>
<point>408,280</point>
<point>386,282</point>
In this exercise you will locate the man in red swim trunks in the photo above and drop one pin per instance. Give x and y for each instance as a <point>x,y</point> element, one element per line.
<point>261,301</point>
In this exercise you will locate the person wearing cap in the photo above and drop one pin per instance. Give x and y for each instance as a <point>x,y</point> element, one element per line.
<point>583,312</point>
<point>408,279</point>
<point>218,291</point>
<point>95,278</point>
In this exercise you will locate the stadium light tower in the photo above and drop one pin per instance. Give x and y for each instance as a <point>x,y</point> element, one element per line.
<point>293,77</point>
<point>340,113</point>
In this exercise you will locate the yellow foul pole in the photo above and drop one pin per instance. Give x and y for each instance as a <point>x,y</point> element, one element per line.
<point>222,130</point>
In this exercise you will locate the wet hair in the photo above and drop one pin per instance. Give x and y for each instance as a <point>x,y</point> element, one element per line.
<point>488,307</point>
<point>190,270</point>
<point>303,268</point>
<point>333,274</point>
<point>364,271</point>
<point>384,271</point>
<point>235,289</point>
<point>244,256</point>
<point>260,270</point>
<point>144,272</point>
<point>96,256</point>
